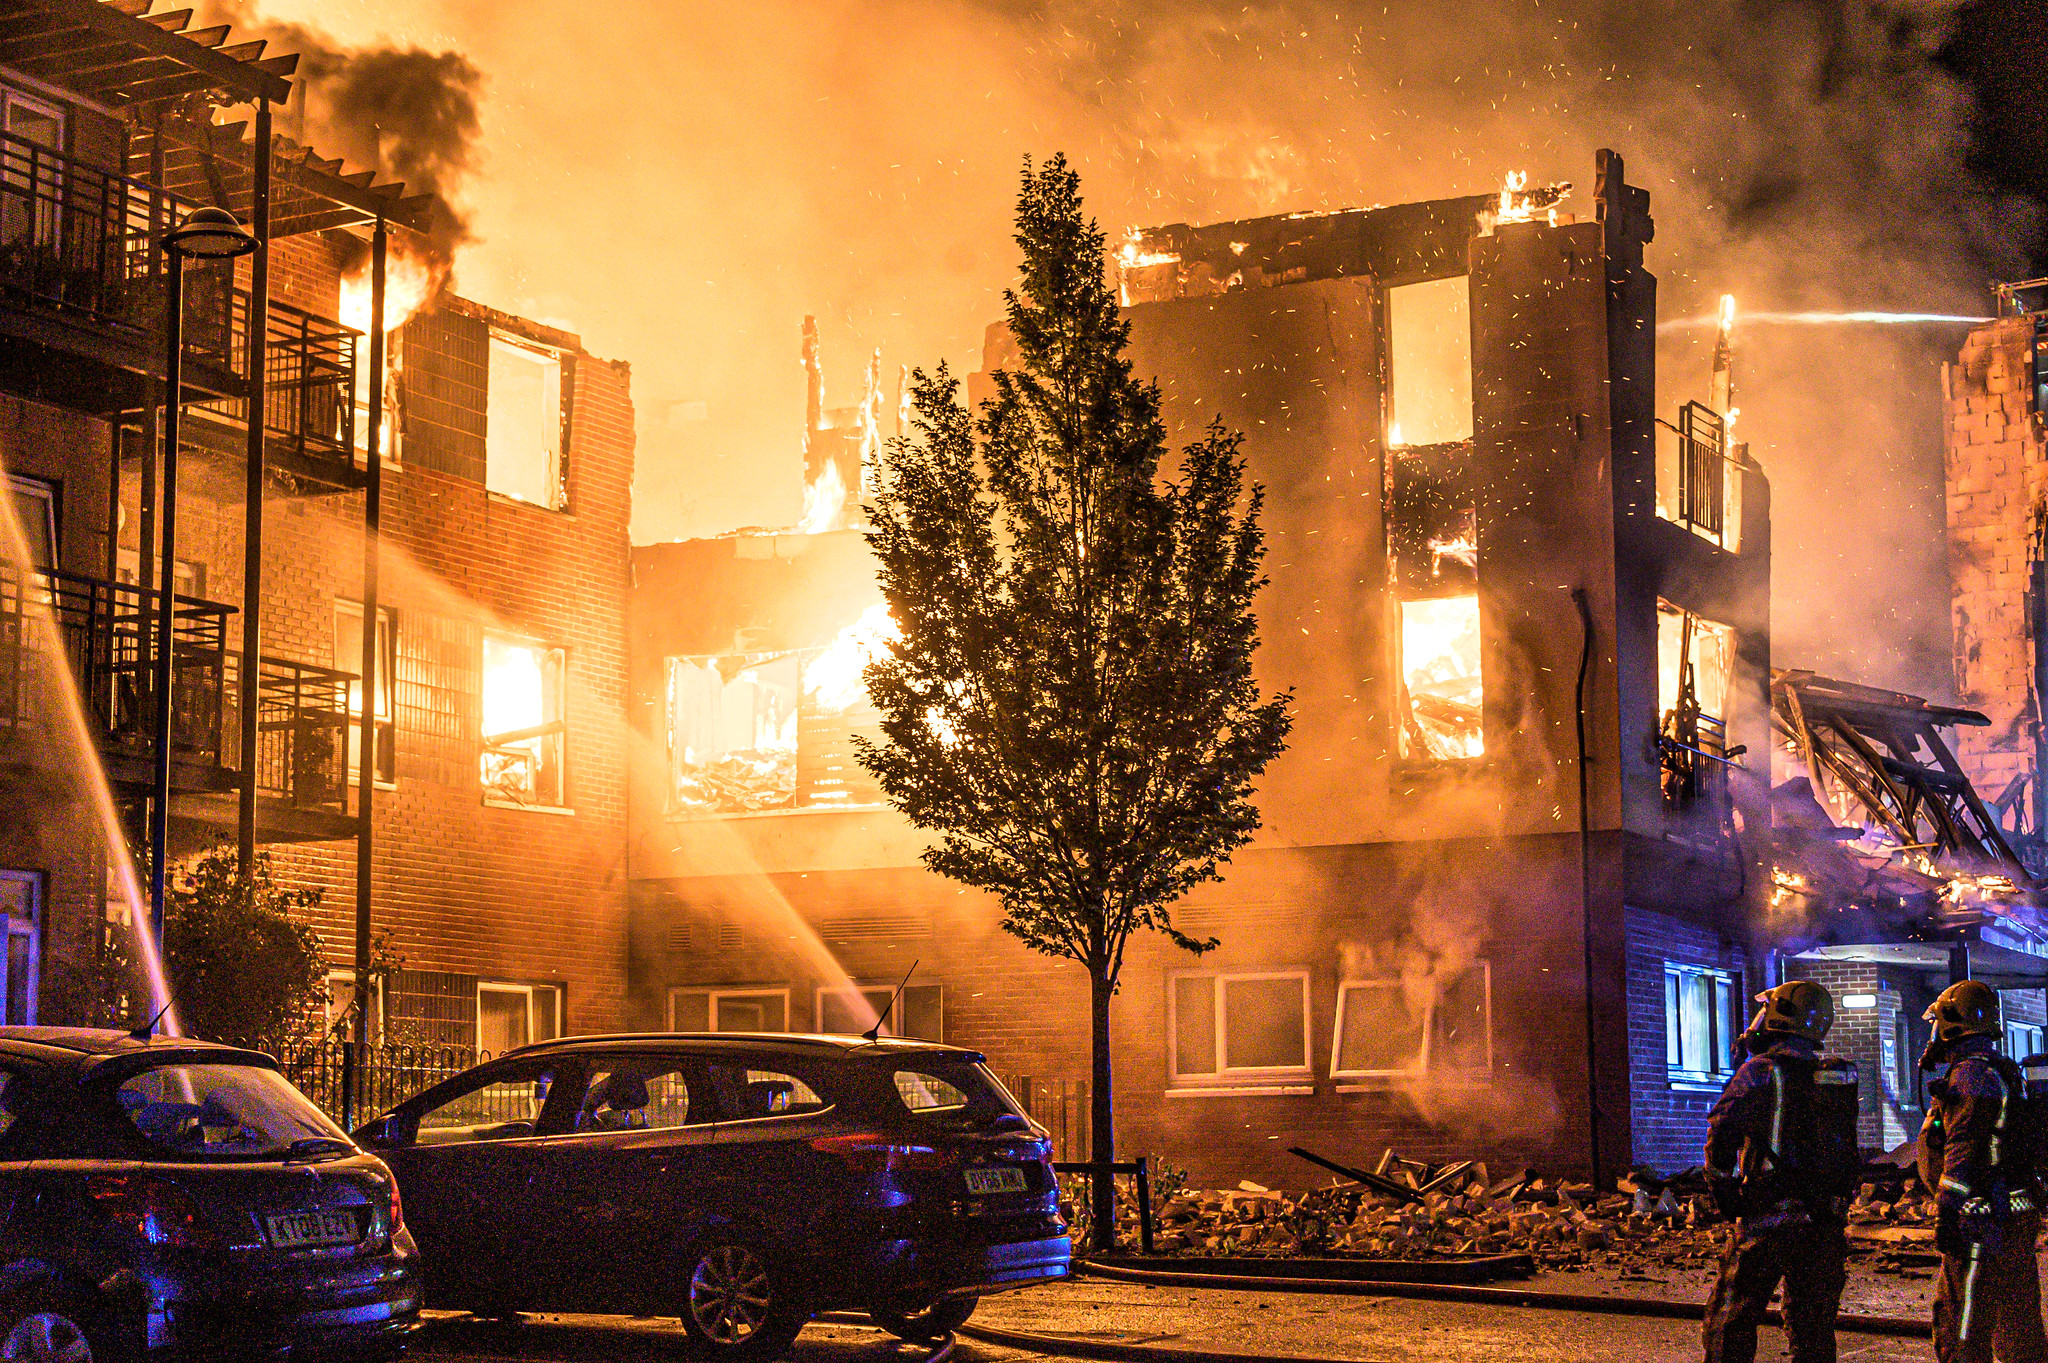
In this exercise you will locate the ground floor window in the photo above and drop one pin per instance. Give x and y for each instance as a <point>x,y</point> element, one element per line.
<point>341,1000</point>
<point>1701,1019</point>
<point>21,911</point>
<point>1238,1029</point>
<point>728,1010</point>
<point>509,1016</point>
<point>919,1011</point>
<point>2022,1039</point>
<point>1393,1027</point>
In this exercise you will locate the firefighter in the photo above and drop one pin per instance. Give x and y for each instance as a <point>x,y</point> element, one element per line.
<point>1781,1151</point>
<point>1978,1152</point>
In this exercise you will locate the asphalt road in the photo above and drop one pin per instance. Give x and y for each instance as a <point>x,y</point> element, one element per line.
<point>1364,1329</point>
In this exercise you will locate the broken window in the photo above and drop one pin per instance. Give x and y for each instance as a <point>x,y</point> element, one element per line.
<point>1442,703</point>
<point>524,722</point>
<point>1693,650</point>
<point>732,724</point>
<point>523,424</point>
<point>1429,352</point>
<point>1390,1027</point>
<point>919,1011</point>
<point>1239,1028</point>
<point>1700,1024</point>
<point>348,657</point>
<point>728,1010</point>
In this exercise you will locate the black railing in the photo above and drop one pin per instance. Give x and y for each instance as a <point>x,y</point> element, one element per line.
<point>302,725</point>
<point>350,1084</point>
<point>1703,442</point>
<point>309,373</point>
<point>107,634</point>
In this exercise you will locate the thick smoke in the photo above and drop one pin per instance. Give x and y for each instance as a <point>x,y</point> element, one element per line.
<point>406,112</point>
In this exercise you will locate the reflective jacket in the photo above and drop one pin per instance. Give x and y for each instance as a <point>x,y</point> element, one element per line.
<point>1976,1150</point>
<point>1785,1126</point>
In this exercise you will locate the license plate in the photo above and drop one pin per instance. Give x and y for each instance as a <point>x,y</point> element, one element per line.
<point>305,1230</point>
<point>1006,1179</point>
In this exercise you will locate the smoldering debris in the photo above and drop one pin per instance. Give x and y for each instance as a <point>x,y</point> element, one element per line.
<point>1412,1210</point>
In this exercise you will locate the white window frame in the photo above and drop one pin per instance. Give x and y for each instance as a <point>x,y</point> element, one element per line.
<point>1425,1062</point>
<point>2030,1033</point>
<point>387,701</point>
<point>549,359</point>
<point>32,929</point>
<point>48,224</point>
<point>1720,1055</point>
<point>44,491</point>
<point>332,1008</point>
<point>1225,1078</point>
<point>530,991</point>
<point>885,988</point>
<point>713,993</point>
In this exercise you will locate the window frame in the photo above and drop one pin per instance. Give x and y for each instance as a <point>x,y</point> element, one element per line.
<point>865,988</point>
<point>1720,1051</point>
<point>563,804</point>
<point>25,487</point>
<point>38,894</point>
<point>1390,417</point>
<point>1357,1080</point>
<point>556,472</point>
<point>714,992</point>
<point>2036,1034</point>
<point>387,700</point>
<point>530,990</point>
<point>347,976</point>
<point>1404,706</point>
<point>1226,1078</point>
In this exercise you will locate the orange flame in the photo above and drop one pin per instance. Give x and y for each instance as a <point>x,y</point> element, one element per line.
<point>833,679</point>
<point>410,279</point>
<point>824,501</point>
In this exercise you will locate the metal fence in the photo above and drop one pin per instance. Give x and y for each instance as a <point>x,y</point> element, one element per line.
<point>1061,1107</point>
<point>350,1085</point>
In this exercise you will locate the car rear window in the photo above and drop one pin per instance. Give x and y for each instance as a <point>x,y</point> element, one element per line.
<point>944,1089</point>
<point>224,1112</point>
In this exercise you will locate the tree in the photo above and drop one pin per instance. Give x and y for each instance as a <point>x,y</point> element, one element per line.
<point>1071,705</point>
<point>242,961</point>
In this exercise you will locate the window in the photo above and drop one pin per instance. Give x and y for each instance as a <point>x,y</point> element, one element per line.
<point>21,918</point>
<point>1700,1024</point>
<point>746,1094</point>
<point>2022,1039</point>
<point>387,432</point>
<point>635,1093</point>
<point>1699,483</point>
<point>222,1111</point>
<point>498,1103</point>
<point>523,424</point>
<point>341,999</point>
<point>31,184</point>
<point>1238,1029</point>
<point>919,1011</point>
<point>1437,1025</point>
<point>524,720</point>
<point>1442,709</point>
<point>1691,647</point>
<point>35,509</point>
<point>944,1088</point>
<point>348,657</point>
<point>1429,358</point>
<point>509,1016</point>
<point>187,579</point>
<point>728,1010</point>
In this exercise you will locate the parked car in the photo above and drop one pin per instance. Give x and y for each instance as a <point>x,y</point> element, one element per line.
<point>741,1182</point>
<point>164,1196</point>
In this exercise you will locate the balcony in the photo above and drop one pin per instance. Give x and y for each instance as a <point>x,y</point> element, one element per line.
<point>58,627</point>
<point>80,273</point>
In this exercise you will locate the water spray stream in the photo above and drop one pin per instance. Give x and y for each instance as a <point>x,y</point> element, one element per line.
<point>1823,319</point>
<point>84,752</point>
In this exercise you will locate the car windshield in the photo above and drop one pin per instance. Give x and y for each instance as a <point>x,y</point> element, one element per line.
<point>945,1089</point>
<point>227,1112</point>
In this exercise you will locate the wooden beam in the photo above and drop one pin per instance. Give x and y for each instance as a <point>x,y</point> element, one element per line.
<point>218,72</point>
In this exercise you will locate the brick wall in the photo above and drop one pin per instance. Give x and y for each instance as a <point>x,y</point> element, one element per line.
<point>1670,1126</point>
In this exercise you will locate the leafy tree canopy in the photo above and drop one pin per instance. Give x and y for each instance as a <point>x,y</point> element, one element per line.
<point>242,960</point>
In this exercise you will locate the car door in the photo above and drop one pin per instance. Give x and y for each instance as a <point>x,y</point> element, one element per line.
<point>613,1192</point>
<point>464,1155</point>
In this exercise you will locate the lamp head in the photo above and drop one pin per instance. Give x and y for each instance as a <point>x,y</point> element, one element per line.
<point>209,234</point>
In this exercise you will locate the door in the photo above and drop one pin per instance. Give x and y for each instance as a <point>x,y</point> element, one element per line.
<point>464,1157</point>
<point>613,1192</point>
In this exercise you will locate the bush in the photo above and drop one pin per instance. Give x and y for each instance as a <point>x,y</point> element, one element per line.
<point>243,962</point>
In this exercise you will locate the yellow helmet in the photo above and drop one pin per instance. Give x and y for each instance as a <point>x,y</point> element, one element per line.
<point>1797,1008</point>
<point>1967,1008</point>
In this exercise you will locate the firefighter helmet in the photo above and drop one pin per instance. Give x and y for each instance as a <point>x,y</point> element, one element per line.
<point>1966,1008</point>
<point>1798,1008</point>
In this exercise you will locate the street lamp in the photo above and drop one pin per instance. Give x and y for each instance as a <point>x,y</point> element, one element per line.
<point>205,234</point>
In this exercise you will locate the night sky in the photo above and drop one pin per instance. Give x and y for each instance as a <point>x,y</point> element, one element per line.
<point>2001,49</point>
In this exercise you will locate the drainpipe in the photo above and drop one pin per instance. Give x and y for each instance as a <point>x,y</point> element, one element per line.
<point>1586,882</point>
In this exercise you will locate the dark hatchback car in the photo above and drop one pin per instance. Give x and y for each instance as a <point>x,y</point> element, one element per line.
<point>174,1198</point>
<point>742,1183</point>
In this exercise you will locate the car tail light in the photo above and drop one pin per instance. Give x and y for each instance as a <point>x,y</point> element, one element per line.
<point>871,1152</point>
<point>157,1210</point>
<point>397,1209</point>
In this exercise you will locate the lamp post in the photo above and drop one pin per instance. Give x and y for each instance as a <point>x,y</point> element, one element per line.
<point>205,234</point>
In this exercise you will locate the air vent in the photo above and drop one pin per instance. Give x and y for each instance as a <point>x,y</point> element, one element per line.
<point>729,939</point>
<point>875,927</point>
<point>679,939</point>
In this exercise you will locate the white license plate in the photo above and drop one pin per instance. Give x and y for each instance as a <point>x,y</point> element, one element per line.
<point>1006,1179</point>
<point>305,1230</point>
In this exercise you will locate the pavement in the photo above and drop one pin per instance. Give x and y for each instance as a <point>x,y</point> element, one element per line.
<point>1273,1325</point>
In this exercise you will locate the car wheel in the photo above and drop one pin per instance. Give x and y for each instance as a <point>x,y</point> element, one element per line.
<point>934,1322</point>
<point>45,1328</point>
<point>738,1302</point>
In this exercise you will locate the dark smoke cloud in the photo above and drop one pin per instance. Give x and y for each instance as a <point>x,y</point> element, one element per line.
<point>406,112</point>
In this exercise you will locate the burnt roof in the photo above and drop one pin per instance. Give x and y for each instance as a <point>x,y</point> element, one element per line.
<point>119,54</point>
<point>1850,699</point>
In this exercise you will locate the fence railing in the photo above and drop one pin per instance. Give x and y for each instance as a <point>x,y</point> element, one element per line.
<point>351,1084</point>
<point>309,380</point>
<point>1061,1106</point>
<point>302,734</point>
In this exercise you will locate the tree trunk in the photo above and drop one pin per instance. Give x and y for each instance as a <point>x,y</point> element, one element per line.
<point>1102,1125</point>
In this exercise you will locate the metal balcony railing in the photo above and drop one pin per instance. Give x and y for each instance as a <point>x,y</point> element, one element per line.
<point>105,644</point>
<point>309,372</point>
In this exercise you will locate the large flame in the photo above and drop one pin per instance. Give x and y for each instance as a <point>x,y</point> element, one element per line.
<point>824,501</point>
<point>1440,665</point>
<point>832,680</point>
<point>410,279</point>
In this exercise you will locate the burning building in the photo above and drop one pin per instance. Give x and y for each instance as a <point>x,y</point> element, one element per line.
<point>1499,899</point>
<point>495,507</point>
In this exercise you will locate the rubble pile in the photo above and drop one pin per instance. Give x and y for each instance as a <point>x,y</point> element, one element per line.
<point>1462,1210</point>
